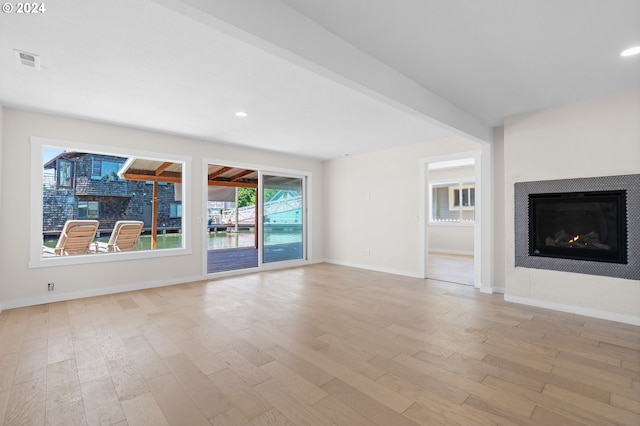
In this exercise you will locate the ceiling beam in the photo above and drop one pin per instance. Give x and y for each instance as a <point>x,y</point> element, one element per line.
<point>277,28</point>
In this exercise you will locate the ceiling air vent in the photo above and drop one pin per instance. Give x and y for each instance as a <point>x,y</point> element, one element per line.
<point>28,59</point>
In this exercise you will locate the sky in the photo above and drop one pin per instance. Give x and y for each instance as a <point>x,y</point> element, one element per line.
<point>49,153</point>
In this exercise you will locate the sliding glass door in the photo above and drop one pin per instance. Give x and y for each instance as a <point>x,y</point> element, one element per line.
<point>283,218</point>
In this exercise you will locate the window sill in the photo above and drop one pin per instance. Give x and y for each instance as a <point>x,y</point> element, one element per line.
<point>92,258</point>
<point>455,224</point>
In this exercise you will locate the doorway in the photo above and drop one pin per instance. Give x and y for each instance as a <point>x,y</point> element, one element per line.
<point>283,218</point>
<point>451,220</point>
<point>254,217</point>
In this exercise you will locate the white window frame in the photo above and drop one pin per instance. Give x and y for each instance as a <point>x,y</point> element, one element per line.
<point>35,238</point>
<point>462,186</point>
<point>261,168</point>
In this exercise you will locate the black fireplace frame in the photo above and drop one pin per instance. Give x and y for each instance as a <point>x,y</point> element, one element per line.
<point>617,254</point>
<point>630,183</point>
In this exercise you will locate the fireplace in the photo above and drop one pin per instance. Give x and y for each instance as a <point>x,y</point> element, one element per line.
<point>582,225</point>
<point>579,225</point>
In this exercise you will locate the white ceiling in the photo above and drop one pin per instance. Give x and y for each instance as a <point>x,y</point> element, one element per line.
<point>495,58</point>
<point>318,78</point>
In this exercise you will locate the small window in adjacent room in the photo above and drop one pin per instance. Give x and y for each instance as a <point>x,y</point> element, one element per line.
<point>65,173</point>
<point>468,200</point>
<point>453,202</point>
<point>88,209</point>
<point>175,210</point>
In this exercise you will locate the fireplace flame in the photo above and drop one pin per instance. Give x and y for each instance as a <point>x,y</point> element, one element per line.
<point>574,239</point>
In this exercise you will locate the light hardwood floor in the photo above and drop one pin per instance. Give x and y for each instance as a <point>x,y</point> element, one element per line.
<point>453,268</point>
<point>315,345</point>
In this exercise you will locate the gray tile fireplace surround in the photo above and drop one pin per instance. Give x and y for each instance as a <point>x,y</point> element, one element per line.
<point>630,270</point>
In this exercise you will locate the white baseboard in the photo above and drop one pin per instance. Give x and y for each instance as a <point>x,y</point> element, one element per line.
<point>445,251</point>
<point>72,295</point>
<point>374,268</point>
<point>595,313</point>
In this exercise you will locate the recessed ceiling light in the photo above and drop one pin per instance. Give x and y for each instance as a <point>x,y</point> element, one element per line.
<point>631,51</point>
<point>241,114</point>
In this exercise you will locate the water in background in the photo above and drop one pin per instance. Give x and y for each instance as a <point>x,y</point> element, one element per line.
<point>217,240</point>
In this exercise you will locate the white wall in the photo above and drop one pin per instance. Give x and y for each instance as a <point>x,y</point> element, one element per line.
<point>451,239</point>
<point>20,285</point>
<point>596,137</point>
<point>2,255</point>
<point>499,255</point>
<point>372,202</point>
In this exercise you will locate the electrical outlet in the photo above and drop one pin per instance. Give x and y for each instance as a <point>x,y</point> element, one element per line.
<point>50,286</point>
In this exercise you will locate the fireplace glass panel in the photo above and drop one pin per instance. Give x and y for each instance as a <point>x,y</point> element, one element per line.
<point>579,225</point>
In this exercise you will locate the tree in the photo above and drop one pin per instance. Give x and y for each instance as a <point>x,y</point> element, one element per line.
<point>246,197</point>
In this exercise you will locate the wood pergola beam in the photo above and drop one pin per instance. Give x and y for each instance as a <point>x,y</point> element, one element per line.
<point>173,178</point>
<point>239,175</point>
<point>219,172</point>
<point>163,167</point>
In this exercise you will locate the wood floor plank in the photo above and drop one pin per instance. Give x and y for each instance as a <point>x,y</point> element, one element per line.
<point>11,338</point>
<point>8,365</point>
<point>610,412</point>
<point>143,410</point>
<point>147,361</point>
<point>585,389</point>
<point>126,377</point>
<point>339,413</point>
<point>27,403</point>
<point>272,417</point>
<point>366,406</point>
<point>425,383</point>
<point>207,396</point>
<point>174,402</point>
<point>502,400</point>
<point>4,401</point>
<point>232,417</point>
<point>299,412</point>
<point>101,404</point>
<point>32,363</point>
<point>296,384</point>
<point>543,416</point>
<point>555,405</point>
<point>246,370</point>
<point>310,372</point>
<point>357,380</point>
<point>246,399</point>
<point>202,357</point>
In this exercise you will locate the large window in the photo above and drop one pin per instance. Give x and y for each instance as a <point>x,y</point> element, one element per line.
<point>94,193</point>
<point>453,202</point>
<point>105,170</point>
